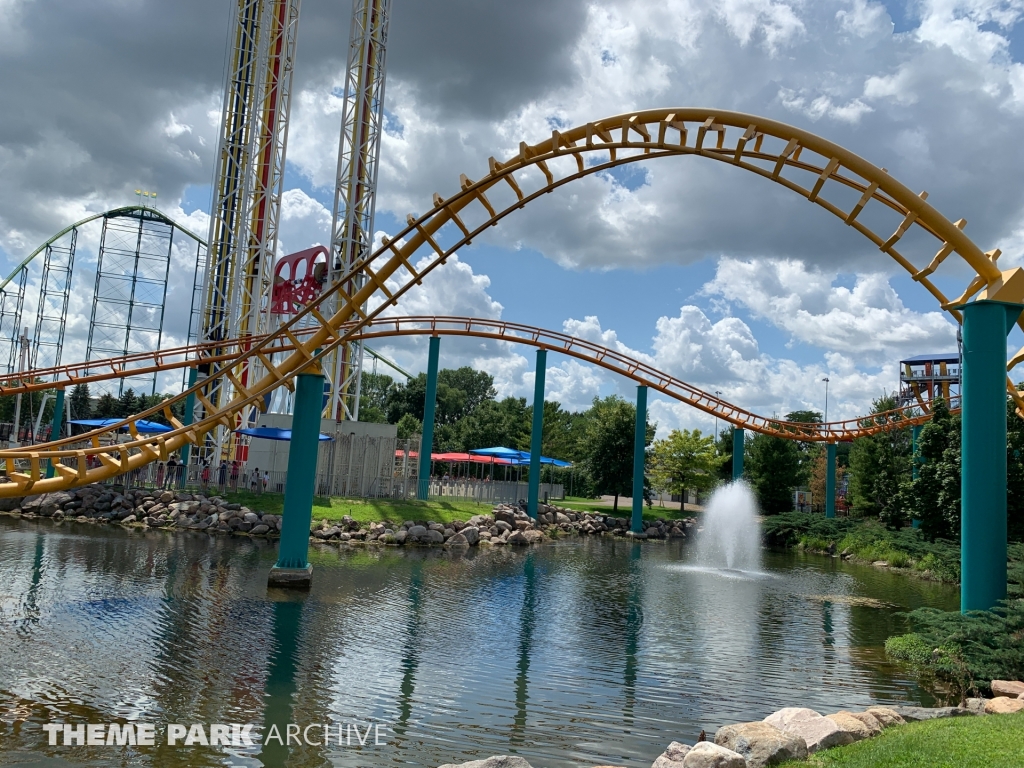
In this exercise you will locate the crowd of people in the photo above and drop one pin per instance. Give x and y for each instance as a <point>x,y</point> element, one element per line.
<point>173,474</point>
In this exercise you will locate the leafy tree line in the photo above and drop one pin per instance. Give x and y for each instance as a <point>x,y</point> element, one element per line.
<point>83,406</point>
<point>882,482</point>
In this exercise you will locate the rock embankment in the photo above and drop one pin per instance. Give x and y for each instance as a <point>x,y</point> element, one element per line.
<point>166,509</point>
<point>794,733</point>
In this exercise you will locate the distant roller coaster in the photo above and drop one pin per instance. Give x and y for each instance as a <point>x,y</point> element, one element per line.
<point>767,148</point>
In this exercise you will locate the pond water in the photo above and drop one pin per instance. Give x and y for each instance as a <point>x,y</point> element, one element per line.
<point>588,652</point>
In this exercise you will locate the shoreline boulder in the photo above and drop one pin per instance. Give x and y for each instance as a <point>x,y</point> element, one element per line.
<point>761,744</point>
<point>817,731</point>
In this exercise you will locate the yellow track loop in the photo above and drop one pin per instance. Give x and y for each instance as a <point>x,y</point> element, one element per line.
<point>770,149</point>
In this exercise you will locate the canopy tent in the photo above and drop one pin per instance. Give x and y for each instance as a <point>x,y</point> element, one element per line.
<point>518,458</point>
<point>500,452</point>
<point>274,433</point>
<point>457,457</point>
<point>143,426</point>
<point>543,460</point>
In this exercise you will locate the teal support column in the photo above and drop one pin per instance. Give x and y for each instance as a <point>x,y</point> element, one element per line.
<point>429,401</point>
<point>737,453</point>
<point>983,453</point>
<point>58,420</point>
<point>293,568</point>
<point>536,433</point>
<point>636,524</point>
<point>915,461</point>
<point>830,480</point>
<point>186,419</point>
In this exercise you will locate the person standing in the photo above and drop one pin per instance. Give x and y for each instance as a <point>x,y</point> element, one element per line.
<point>222,476</point>
<point>266,480</point>
<point>160,474</point>
<point>254,480</point>
<point>172,473</point>
<point>234,475</point>
<point>205,477</point>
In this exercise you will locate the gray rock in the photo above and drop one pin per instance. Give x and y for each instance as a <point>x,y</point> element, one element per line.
<point>886,716</point>
<point>817,732</point>
<point>387,538</point>
<point>517,539</point>
<point>705,754</point>
<point>250,517</point>
<point>562,518</point>
<point>761,744</point>
<point>872,723</point>
<point>471,533</point>
<point>533,537</point>
<point>498,761</point>
<point>128,520</point>
<point>417,532</point>
<point>480,521</point>
<point>914,714</point>
<point>458,540</point>
<point>502,525</point>
<point>400,536</point>
<point>259,530</point>
<point>672,757</point>
<point>847,722</point>
<point>434,537</point>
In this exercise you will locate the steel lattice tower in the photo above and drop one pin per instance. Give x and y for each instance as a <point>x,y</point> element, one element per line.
<point>249,173</point>
<point>355,193</point>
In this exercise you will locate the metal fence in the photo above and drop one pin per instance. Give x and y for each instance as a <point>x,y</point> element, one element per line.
<point>350,465</point>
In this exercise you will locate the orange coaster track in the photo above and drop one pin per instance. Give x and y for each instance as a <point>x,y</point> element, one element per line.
<point>808,165</point>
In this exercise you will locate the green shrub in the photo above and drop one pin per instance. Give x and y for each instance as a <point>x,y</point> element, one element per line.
<point>910,649</point>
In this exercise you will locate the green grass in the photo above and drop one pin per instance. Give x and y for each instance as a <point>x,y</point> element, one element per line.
<point>367,510</point>
<point>578,504</point>
<point>995,741</point>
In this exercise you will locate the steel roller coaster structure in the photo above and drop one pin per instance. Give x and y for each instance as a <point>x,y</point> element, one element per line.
<point>796,159</point>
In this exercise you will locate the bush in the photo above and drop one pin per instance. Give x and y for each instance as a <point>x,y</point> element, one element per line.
<point>963,653</point>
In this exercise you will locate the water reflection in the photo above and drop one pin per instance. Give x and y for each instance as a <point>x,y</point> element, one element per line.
<point>588,652</point>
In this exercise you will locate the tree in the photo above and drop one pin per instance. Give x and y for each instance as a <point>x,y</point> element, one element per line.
<point>503,423</point>
<point>685,461</point>
<point>1014,470</point>
<point>127,404</point>
<point>374,390</point>
<point>81,405</point>
<point>609,446</point>
<point>106,407</point>
<point>934,497</point>
<point>806,451</point>
<point>881,466</point>
<point>774,471</point>
<point>408,426</point>
<point>476,387</point>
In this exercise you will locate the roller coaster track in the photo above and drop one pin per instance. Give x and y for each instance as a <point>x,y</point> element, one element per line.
<point>813,166</point>
<point>496,330</point>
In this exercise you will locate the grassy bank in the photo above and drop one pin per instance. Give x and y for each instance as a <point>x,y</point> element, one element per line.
<point>367,510</point>
<point>436,510</point>
<point>866,540</point>
<point>578,504</point>
<point>996,741</point>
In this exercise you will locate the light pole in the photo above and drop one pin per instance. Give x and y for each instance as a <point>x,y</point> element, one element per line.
<point>718,394</point>
<point>826,399</point>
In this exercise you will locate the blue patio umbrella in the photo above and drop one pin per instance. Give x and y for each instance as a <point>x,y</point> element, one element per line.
<point>143,426</point>
<point>500,453</point>
<point>525,460</point>
<point>274,433</point>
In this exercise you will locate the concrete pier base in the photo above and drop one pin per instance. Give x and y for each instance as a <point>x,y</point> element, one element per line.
<point>291,578</point>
